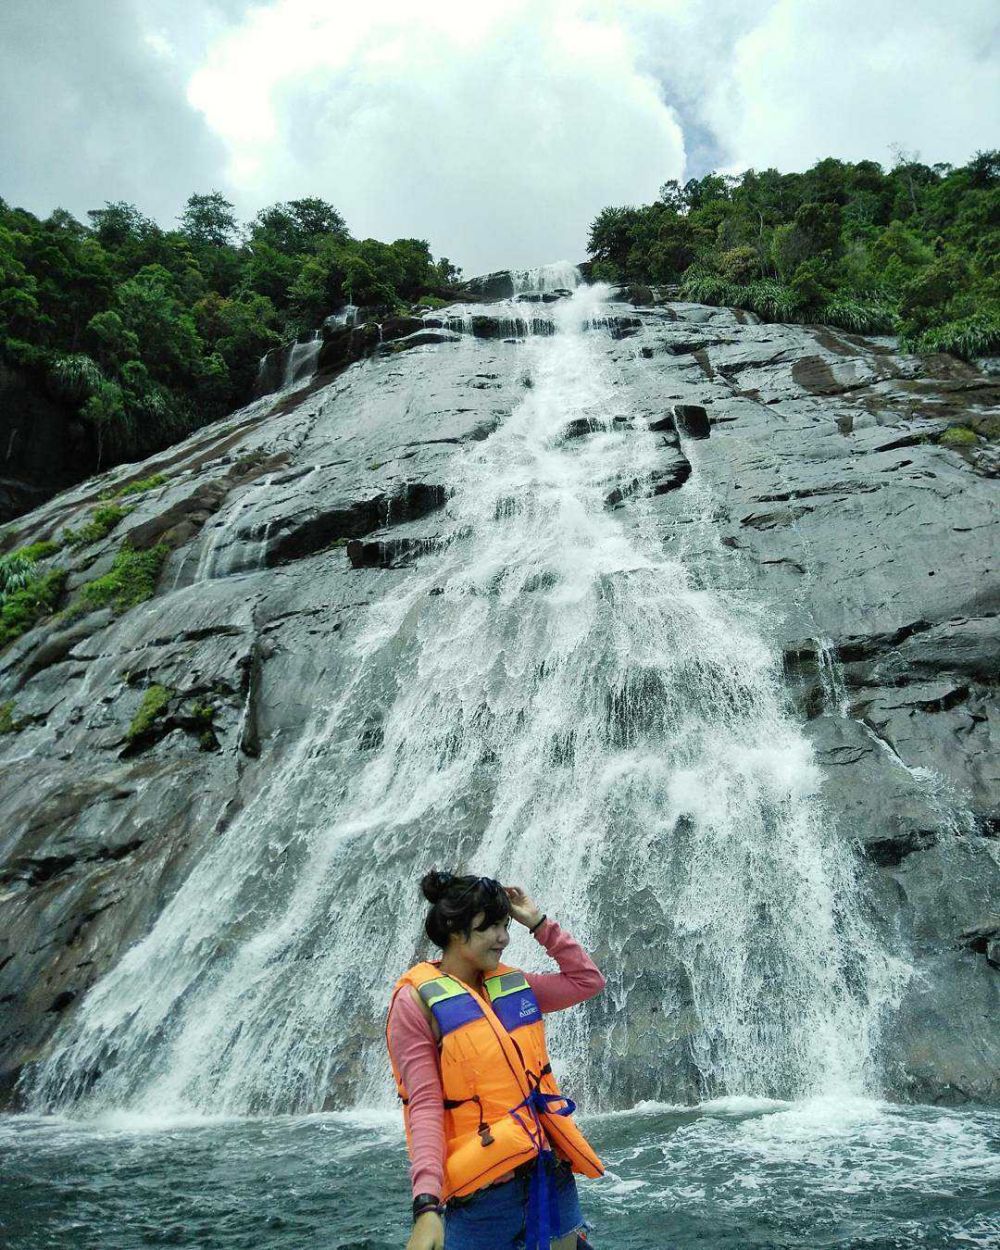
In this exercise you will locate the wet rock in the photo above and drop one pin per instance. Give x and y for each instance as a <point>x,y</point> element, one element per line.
<point>691,420</point>
<point>422,338</point>
<point>491,286</point>
<point>865,545</point>
<point>984,938</point>
<point>580,427</point>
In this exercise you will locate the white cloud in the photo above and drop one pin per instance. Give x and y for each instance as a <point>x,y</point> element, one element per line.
<point>815,79</point>
<point>496,131</point>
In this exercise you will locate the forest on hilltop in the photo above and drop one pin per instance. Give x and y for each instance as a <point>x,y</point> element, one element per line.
<point>141,334</point>
<point>913,251</point>
<point>119,337</point>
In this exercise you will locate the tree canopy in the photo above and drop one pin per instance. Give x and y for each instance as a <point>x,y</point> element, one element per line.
<point>910,250</point>
<point>142,333</point>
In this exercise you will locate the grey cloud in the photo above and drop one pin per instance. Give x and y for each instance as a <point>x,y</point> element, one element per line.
<point>92,113</point>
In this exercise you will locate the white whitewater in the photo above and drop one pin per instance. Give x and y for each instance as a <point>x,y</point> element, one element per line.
<point>559,276</point>
<point>574,710</point>
<point>302,356</point>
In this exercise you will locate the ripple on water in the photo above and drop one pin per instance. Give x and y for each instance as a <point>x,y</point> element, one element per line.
<point>734,1173</point>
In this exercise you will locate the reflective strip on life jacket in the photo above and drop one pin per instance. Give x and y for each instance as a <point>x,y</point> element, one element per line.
<point>513,1000</point>
<point>450,1002</point>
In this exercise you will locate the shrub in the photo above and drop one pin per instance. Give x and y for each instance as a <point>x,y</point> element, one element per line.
<point>8,724</point>
<point>974,336</point>
<point>740,264</point>
<point>23,608</point>
<point>17,570</point>
<point>75,377</point>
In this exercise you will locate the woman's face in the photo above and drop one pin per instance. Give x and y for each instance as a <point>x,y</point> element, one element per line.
<point>484,947</point>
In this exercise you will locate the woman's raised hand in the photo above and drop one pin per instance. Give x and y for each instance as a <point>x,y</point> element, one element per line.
<point>523,907</point>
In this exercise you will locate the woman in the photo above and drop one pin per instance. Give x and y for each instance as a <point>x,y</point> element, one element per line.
<point>492,1145</point>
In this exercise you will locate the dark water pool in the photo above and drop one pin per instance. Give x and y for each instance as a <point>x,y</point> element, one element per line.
<point>731,1174</point>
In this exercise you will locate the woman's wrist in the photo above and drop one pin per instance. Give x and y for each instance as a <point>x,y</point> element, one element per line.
<point>426,1204</point>
<point>541,918</point>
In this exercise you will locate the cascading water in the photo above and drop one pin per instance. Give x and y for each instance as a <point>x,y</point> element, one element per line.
<point>302,356</point>
<point>559,276</point>
<point>553,700</point>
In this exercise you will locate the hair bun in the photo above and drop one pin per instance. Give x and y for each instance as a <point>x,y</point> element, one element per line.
<point>435,883</point>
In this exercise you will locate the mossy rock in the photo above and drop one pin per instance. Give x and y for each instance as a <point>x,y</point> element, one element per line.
<point>101,523</point>
<point>131,580</point>
<point>958,436</point>
<point>38,551</point>
<point>154,704</point>
<point>8,725</point>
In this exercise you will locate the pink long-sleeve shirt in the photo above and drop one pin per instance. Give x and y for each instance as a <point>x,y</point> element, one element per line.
<point>415,1051</point>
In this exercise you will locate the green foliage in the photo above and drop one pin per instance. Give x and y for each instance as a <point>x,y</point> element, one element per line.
<point>131,580</point>
<point>136,488</point>
<point>38,551</point>
<point>8,724</point>
<point>102,522</point>
<point>17,570</point>
<point>75,377</point>
<point>208,219</point>
<point>974,336</point>
<point>914,250</point>
<point>25,607</point>
<point>142,334</point>
<point>431,301</point>
<point>857,314</point>
<point>154,703</point>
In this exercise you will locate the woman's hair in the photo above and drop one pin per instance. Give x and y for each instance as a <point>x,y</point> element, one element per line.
<point>456,901</point>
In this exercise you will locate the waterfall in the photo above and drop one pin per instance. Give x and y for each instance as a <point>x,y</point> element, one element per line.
<point>552,699</point>
<point>301,362</point>
<point>560,276</point>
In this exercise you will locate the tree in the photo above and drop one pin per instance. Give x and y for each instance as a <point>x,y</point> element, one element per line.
<point>297,226</point>
<point>208,219</point>
<point>119,222</point>
<point>611,236</point>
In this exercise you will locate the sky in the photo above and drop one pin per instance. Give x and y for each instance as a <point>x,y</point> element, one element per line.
<point>495,129</point>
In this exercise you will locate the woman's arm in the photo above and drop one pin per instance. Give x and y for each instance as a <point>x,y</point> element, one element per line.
<point>578,978</point>
<point>415,1054</point>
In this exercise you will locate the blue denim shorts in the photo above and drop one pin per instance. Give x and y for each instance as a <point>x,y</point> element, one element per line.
<point>494,1218</point>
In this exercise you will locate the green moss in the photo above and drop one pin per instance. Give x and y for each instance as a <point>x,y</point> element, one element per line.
<point>958,436</point>
<point>23,608</point>
<point>431,301</point>
<point>203,712</point>
<point>101,523</point>
<point>136,488</point>
<point>154,704</point>
<point>130,580</point>
<point>7,723</point>
<point>38,551</point>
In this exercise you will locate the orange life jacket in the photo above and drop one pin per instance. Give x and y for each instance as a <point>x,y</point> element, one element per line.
<point>494,1066</point>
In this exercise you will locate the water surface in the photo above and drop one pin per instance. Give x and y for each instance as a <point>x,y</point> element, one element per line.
<point>734,1173</point>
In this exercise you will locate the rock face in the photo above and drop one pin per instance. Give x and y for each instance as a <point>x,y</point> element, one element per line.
<point>868,547</point>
